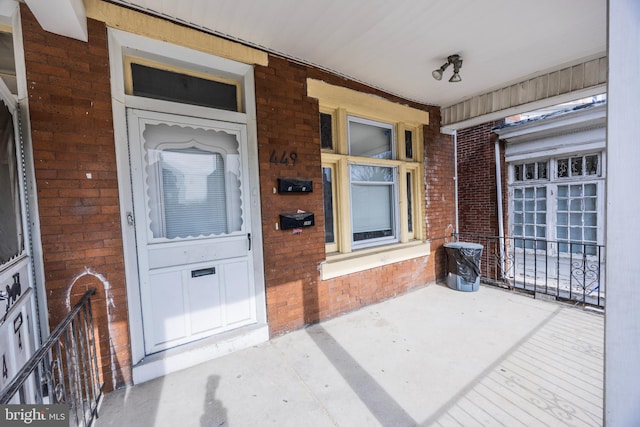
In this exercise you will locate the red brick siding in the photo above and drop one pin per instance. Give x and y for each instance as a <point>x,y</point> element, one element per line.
<point>288,120</point>
<point>72,130</point>
<point>72,135</point>
<point>477,201</point>
<point>440,192</point>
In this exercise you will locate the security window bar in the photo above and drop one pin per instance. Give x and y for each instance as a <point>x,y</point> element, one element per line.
<point>530,171</point>
<point>578,166</point>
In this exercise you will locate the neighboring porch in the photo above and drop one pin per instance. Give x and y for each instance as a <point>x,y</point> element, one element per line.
<point>573,272</point>
<point>434,356</point>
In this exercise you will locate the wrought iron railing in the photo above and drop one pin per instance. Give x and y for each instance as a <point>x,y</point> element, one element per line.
<point>572,271</point>
<point>64,370</point>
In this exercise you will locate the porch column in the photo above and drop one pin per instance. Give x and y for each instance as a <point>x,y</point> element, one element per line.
<point>622,318</point>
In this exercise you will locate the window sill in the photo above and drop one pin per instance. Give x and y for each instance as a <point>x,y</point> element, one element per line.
<point>342,264</point>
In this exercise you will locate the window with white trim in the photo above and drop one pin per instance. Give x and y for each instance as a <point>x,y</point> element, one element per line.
<point>564,206</point>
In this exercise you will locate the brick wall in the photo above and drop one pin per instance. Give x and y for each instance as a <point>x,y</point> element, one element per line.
<point>72,130</point>
<point>477,201</point>
<point>440,193</point>
<point>288,121</point>
<point>74,155</point>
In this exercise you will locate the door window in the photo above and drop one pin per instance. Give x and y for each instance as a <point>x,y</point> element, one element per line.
<point>11,239</point>
<point>193,190</point>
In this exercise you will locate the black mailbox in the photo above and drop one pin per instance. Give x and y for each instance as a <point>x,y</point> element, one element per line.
<point>296,220</point>
<point>294,185</point>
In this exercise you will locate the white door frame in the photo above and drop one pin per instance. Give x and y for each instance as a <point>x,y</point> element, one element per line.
<point>28,267</point>
<point>121,44</point>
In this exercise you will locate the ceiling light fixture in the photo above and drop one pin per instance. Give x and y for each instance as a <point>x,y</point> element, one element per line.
<point>457,64</point>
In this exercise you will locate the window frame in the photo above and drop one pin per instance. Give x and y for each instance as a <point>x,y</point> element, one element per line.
<point>551,183</point>
<point>340,161</point>
<point>332,246</point>
<point>373,123</point>
<point>341,260</point>
<point>394,208</point>
<point>129,60</point>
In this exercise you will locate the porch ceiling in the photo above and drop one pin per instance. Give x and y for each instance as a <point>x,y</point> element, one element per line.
<point>395,45</point>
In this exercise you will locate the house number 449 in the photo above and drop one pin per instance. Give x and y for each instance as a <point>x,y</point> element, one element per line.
<point>284,158</point>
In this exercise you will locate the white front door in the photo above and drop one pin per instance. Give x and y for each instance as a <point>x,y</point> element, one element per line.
<point>193,227</point>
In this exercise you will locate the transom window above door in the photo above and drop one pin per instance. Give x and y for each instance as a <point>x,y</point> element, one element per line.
<point>149,79</point>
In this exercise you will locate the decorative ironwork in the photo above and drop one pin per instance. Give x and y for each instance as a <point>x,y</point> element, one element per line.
<point>64,369</point>
<point>505,265</point>
<point>11,294</point>
<point>538,266</point>
<point>586,273</point>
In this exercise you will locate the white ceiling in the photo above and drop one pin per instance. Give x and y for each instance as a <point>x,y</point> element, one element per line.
<point>394,45</point>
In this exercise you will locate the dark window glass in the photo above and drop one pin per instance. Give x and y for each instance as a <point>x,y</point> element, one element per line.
<point>530,170</point>
<point>517,170</point>
<point>542,170</point>
<point>171,86</point>
<point>11,239</point>
<point>592,165</point>
<point>409,203</point>
<point>408,144</point>
<point>326,131</point>
<point>327,190</point>
<point>576,166</point>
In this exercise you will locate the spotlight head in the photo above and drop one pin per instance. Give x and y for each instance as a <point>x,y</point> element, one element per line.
<point>457,64</point>
<point>437,74</point>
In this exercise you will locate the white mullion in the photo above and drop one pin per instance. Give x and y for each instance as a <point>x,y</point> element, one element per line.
<point>600,211</point>
<point>552,217</point>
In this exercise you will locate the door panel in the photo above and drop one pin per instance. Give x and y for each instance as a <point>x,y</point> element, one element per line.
<point>192,221</point>
<point>205,300</point>
<point>237,310</point>
<point>167,307</point>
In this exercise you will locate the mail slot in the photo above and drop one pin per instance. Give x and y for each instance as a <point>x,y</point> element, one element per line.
<point>203,272</point>
<point>294,185</point>
<point>296,220</point>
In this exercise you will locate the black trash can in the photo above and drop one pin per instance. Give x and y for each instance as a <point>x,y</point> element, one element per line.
<point>463,265</point>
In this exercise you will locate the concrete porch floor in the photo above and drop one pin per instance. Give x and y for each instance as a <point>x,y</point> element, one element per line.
<point>434,356</point>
